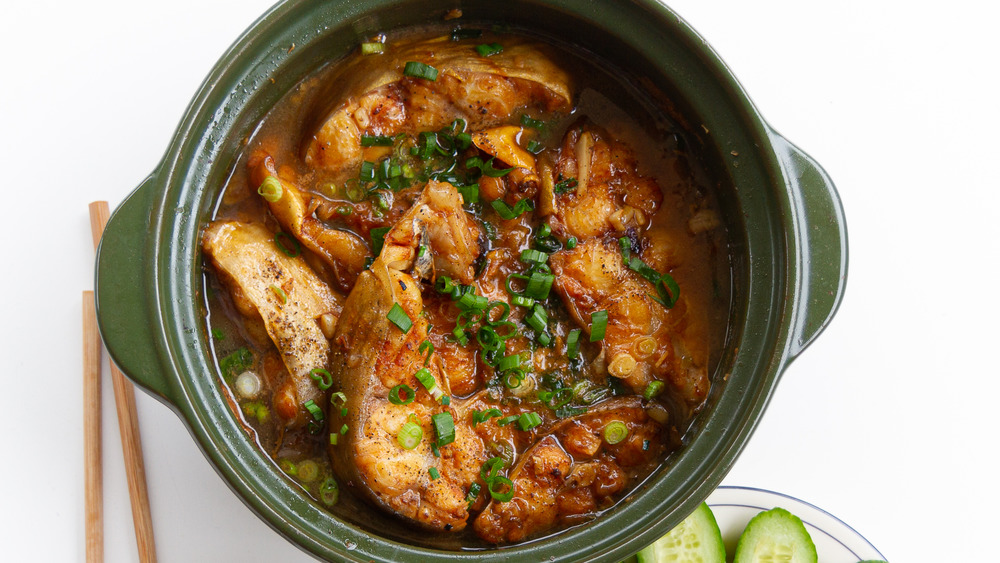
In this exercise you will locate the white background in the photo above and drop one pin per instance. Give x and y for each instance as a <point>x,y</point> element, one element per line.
<point>887,421</point>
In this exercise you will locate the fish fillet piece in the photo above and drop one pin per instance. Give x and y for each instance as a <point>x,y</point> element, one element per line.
<point>484,91</point>
<point>643,341</point>
<point>292,301</point>
<point>372,355</point>
<point>610,196</point>
<point>572,471</point>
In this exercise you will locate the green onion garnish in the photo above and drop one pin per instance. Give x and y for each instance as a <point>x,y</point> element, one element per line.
<point>279,292</point>
<point>372,48</point>
<point>471,301</point>
<point>491,468</point>
<point>496,485</point>
<point>509,362</point>
<point>353,190</point>
<point>533,256</point>
<point>425,378</point>
<point>508,419</point>
<point>270,189</point>
<point>420,70</point>
<point>292,252</point>
<point>654,388</point>
<point>322,378</point>
<point>445,400</point>
<point>236,363</point>
<point>507,212</point>
<point>598,322</point>
<point>334,438</point>
<point>367,172</point>
<point>538,319</point>
<point>378,239</point>
<point>434,473</point>
<point>615,431</point>
<point>376,141</point>
<point>426,345</point>
<point>483,416</point>
<point>329,492</point>
<point>470,194</point>
<point>573,343</point>
<point>489,49</point>
<point>343,429</point>
<point>522,301</point>
<point>529,420</point>
<point>544,338</point>
<point>527,121</point>
<point>401,394</point>
<point>338,398</point>
<point>473,493</point>
<point>668,290</point>
<point>421,251</point>
<point>399,318</point>
<point>345,209</point>
<point>218,334</point>
<point>539,285</point>
<point>444,427</point>
<point>563,186</point>
<point>486,167</point>
<point>314,410</point>
<point>534,147</point>
<point>409,435</point>
<point>513,378</point>
<point>444,285</point>
<point>571,243</point>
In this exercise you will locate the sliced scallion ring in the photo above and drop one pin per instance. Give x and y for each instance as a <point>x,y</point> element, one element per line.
<point>420,70</point>
<point>615,431</point>
<point>292,252</point>
<point>598,324</point>
<point>322,378</point>
<point>270,189</point>
<point>401,394</point>
<point>409,435</point>
<point>444,428</point>
<point>398,317</point>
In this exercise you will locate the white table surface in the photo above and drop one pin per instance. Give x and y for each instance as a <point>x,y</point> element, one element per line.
<point>887,421</point>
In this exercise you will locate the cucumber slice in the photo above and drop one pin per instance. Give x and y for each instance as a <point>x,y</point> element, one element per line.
<point>695,540</point>
<point>775,535</point>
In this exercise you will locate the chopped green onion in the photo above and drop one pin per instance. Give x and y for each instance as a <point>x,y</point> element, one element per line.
<point>425,378</point>
<point>513,378</point>
<point>598,323</point>
<point>421,251</point>
<point>507,212</point>
<point>334,438</point>
<point>533,256</point>
<point>446,400</point>
<point>378,239</point>
<point>376,141</point>
<point>401,394</point>
<point>353,190</point>
<point>522,301</point>
<point>473,493</point>
<point>571,243</point>
<point>314,410</point>
<point>308,471</point>
<point>508,419</point>
<point>471,301</point>
<point>545,230</point>
<point>503,315</point>
<point>367,172</point>
<point>488,339</point>
<point>497,492</point>
<point>345,209</point>
<point>343,429</point>
<point>409,435</point>
<point>434,473</point>
<point>573,343</point>
<point>270,189</point>
<point>338,398</point>
<point>372,48</point>
<point>292,252</point>
<point>218,334</point>
<point>444,427</point>
<point>236,363</point>
<point>539,285</point>
<point>668,290</point>
<point>486,167</point>
<point>470,194</point>
<point>279,292</point>
<point>460,336</point>
<point>529,420</point>
<point>489,49</point>
<point>534,147</point>
<point>444,285</point>
<point>527,121</point>
<point>483,416</point>
<point>563,186</point>
<point>426,345</point>
<point>544,338</point>
<point>399,318</point>
<point>420,70</point>
<point>538,319</point>
<point>654,388</point>
<point>435,450</point>
<point>615,431</point>
<point>329,492</point>
<point>509,362</point>
<point>322,378</point>
<point>492,467</point>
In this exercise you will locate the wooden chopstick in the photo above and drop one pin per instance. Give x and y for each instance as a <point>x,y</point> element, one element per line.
<point>93,474</point>
<point>128,424</point>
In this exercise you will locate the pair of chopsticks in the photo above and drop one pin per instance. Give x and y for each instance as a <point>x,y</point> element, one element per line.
<point>128,424</point>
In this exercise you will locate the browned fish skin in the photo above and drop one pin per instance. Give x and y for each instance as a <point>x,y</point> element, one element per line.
<point>372,355</point>
<point>643,340</point>
<point>482,91</point>
<point>249,262</point>
<point>572,471</point>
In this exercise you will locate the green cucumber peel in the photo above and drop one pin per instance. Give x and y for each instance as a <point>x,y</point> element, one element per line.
<point>775,535</point>
<point>695,540</point>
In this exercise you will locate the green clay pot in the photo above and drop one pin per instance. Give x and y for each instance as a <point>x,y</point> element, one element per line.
<point>789,255</point>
